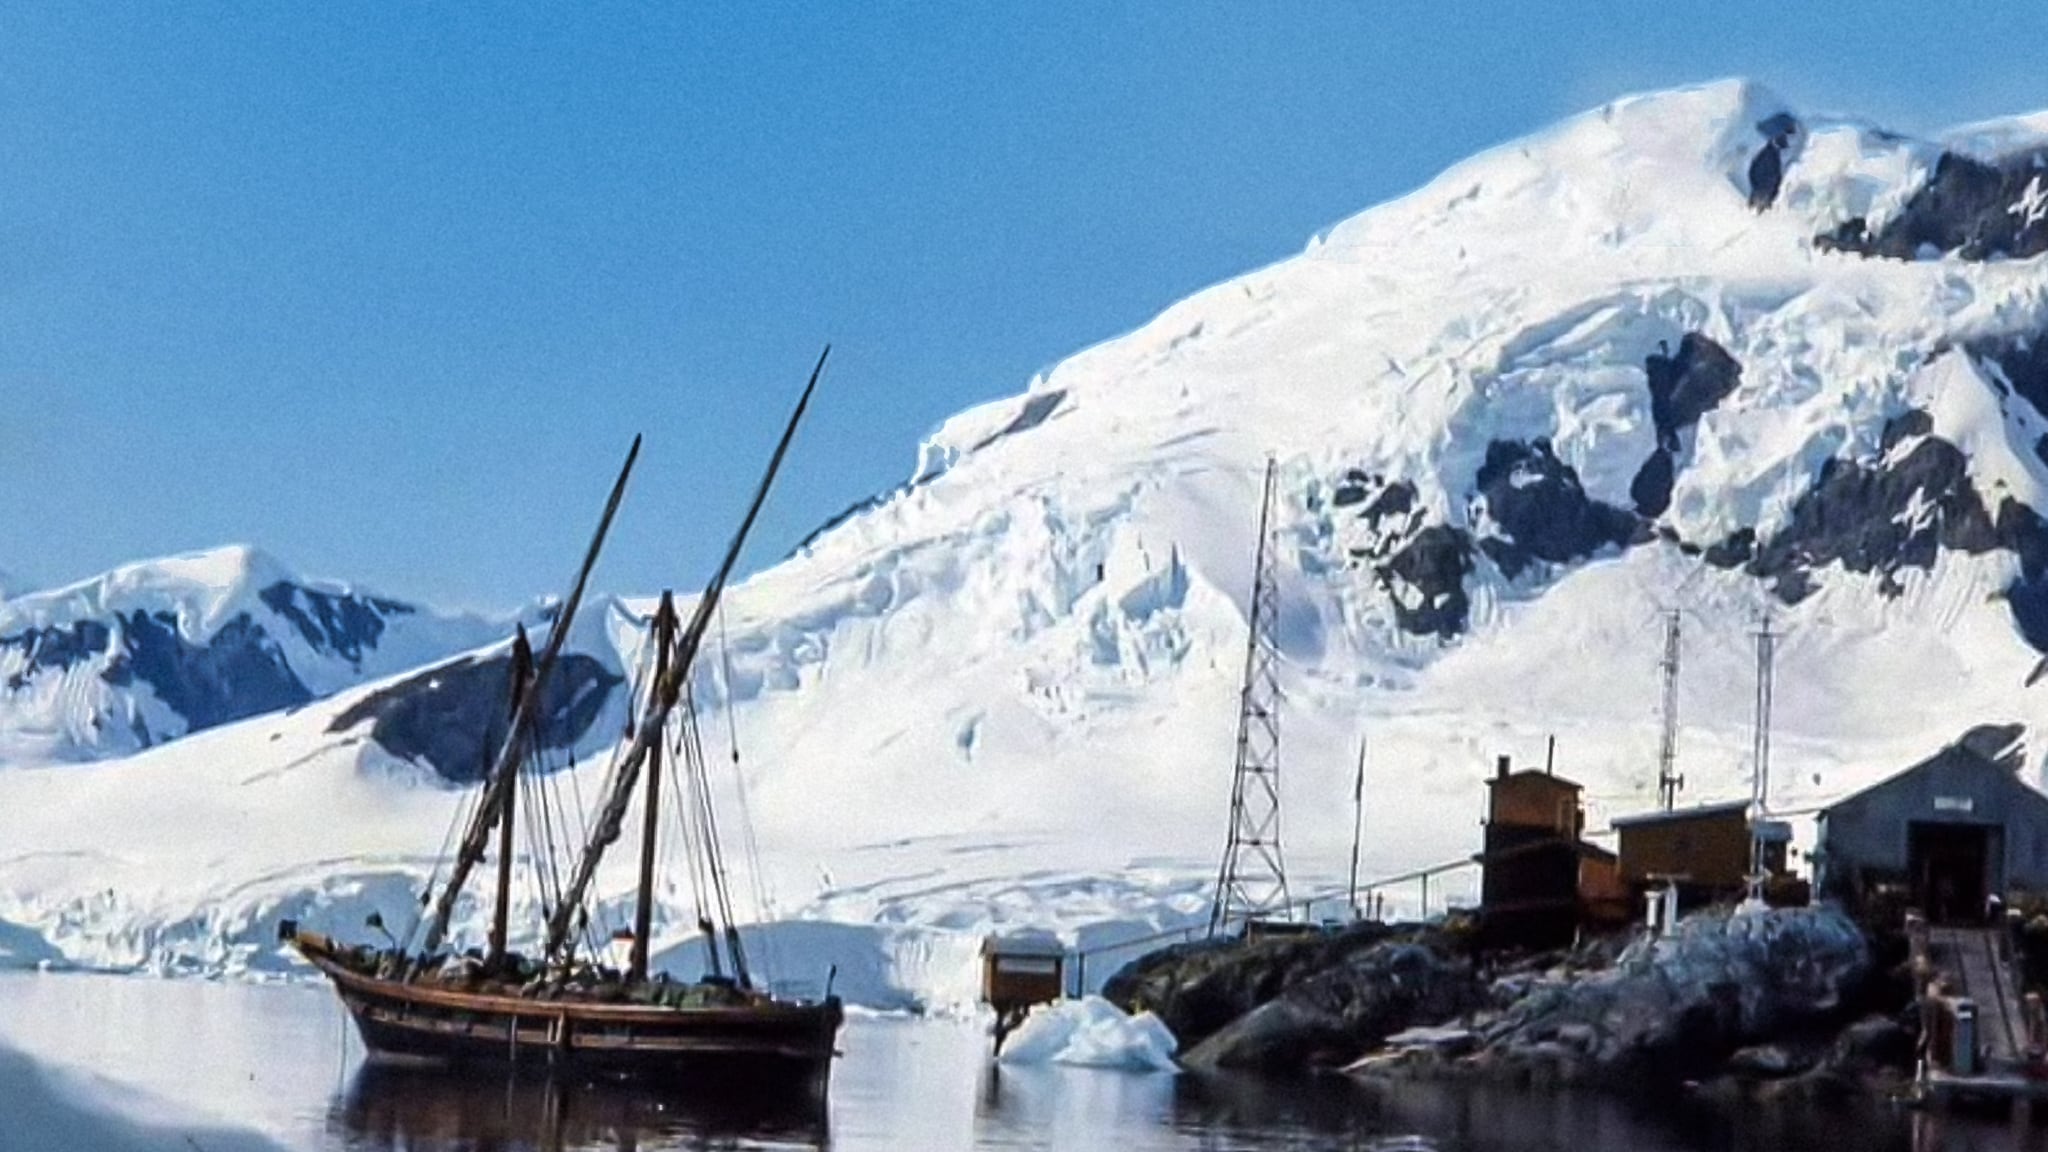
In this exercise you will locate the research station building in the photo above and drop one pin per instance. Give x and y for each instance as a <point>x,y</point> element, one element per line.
<point>1946,834</point>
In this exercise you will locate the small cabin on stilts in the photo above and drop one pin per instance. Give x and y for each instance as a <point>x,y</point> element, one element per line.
<point>1019,971</point>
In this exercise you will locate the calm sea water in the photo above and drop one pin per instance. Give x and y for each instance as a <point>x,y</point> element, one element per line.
<point>280,1060</point>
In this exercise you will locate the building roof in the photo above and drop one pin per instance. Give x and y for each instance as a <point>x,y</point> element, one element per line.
<point>1679,815</point>
<point>1957,758</point>
<point>1530,775</point>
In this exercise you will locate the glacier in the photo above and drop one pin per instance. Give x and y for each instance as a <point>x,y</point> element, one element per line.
<point>1518,414</point>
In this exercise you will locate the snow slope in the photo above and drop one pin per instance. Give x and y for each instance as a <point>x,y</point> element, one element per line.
<point>151,651</point>
<point>1570,383</point>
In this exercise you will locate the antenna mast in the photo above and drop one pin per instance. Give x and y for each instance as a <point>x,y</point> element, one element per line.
<point>1253,880</point>
<point>1357,825</point>
<point>1766,659</point>
<point>1668,779</point>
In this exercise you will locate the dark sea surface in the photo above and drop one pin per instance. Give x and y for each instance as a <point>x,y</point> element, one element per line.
<point>106,1062</point>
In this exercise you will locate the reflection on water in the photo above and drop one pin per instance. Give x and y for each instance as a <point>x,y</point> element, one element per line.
<point>281,1061</point>
<point>416,1109</point>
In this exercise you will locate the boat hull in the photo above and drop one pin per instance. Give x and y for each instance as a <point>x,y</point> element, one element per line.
<point>753,1044</point>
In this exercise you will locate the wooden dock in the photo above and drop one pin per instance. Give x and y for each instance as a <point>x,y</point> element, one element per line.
<point>1985,1039</point>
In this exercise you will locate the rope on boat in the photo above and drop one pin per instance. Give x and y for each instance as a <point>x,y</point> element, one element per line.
<point>764,905</point>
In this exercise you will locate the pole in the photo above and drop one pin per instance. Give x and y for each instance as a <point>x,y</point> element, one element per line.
<point>1668,780</point>
<point>501,906</point>
<point>643,900</point>
<point>502,774</point>
<point>1766,658</point>
<point>1357,825</point>
<point>667,691</point>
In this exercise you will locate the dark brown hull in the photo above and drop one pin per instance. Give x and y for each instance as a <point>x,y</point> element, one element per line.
<point>753,1044</point>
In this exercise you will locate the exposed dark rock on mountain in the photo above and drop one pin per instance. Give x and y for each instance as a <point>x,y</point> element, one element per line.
<point>1684,385</point>
<point>1688,384</point>
<point>1426,582</point>
<point>453,717</point>
<point>239,672</point>
<point>55,647</point>
<point>1036,410</point>
<point>1767,167</point>
<point>1884,516</point>
<point>2021,364</point>
<point>343,624</point>
<point>1650,491</point>
<point>1542,510</point>
<point>1733,551</point>
<point>1420,566</point>
<point>1975,209</point>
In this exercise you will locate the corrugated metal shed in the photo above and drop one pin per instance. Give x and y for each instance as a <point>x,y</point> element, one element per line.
<point>1950,830</point>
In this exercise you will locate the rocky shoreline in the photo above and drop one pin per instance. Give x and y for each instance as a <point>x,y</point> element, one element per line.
<point>1790,1003</point>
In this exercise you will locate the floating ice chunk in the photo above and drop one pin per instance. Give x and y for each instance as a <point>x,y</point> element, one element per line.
<point>1091,1033</point>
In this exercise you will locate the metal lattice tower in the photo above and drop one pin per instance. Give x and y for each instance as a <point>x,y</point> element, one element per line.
<point>1766,659</point>
<point>1668,779</point>
<point>1253,880</point>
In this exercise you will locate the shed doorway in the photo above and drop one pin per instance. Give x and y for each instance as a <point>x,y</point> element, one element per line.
<point>1947,864</point>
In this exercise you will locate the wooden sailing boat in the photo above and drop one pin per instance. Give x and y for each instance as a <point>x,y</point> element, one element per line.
<point>560,1011</point>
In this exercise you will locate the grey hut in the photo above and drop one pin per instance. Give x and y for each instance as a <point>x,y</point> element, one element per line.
<point>1950,831</point>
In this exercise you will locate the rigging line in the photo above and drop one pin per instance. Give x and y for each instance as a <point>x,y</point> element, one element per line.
<point>689,754</point>
<point>715,855</point>
<point>593,912</point>
<point>548,819</point>
<point>764,907</point>
<point>458,817</point>
<point>685,834</point>
<point>722,880</point>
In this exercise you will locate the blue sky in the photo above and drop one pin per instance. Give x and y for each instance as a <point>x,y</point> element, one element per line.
<point>387,289</point>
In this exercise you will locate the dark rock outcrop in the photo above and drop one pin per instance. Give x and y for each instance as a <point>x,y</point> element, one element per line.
<point>1198,988</point>
<point>1348,1008</point>
<point>343,624</point>
<point>1541,509</point>
<point>1284,1003</point>
<point>1974,209</point>
<point>1767,167</point>
<point>1650,491</point>
<point>1426,582</point>
<point>2020,364</point>
<point>1687,384</point>
<point>1035,411</point>
<point>1899,512</point>
<point>453,717</point>
<point>237,673</point>
<point>55,647</point>
<point>1676,1008</point>
<point>1684,386</point>
<point>1420,566</point>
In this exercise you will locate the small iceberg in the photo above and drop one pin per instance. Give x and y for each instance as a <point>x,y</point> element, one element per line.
<point>1091,1033</point>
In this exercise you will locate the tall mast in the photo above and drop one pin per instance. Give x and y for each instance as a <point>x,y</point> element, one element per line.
<point>1760,752</point>
<point>501,909</point>
<point>1668,779</point>
<point>667,691</point>
<point>1253,879</point>
<point>1357,823</point>
<point>643,907</point>
<point>502,774</point>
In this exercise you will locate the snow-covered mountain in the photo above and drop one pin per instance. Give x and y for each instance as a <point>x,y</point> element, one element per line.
<point>154,650</point>
<point>1693,350</point>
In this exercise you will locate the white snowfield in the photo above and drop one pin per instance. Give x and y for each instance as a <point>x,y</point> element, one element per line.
<point>1005,696</point>
<point>55,708</point>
